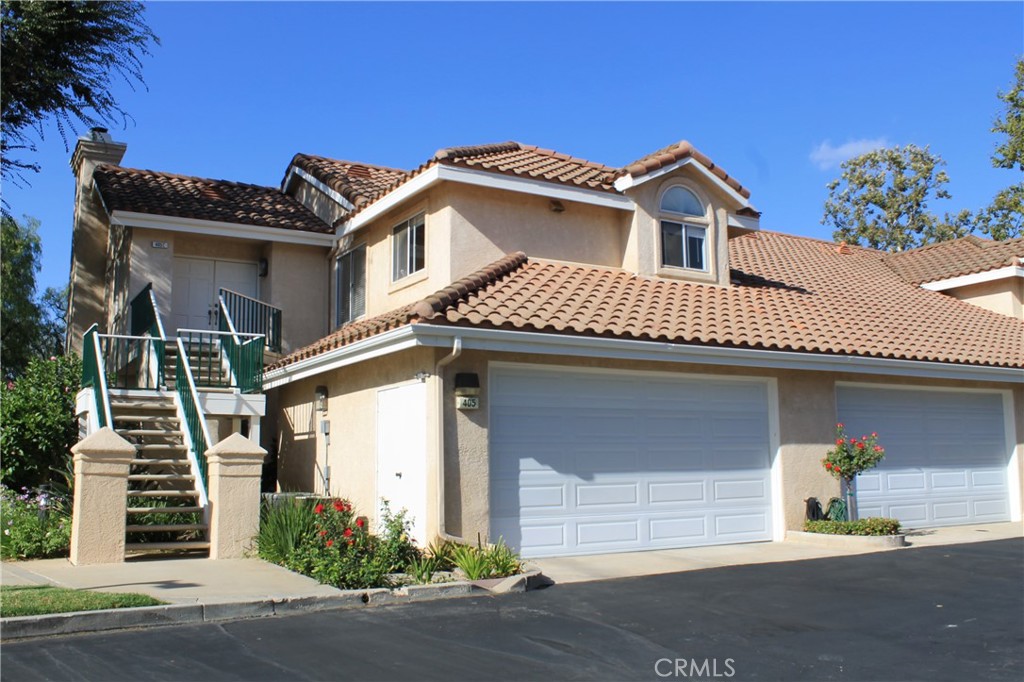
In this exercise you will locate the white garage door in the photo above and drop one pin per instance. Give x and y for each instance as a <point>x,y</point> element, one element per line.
<point>945,455</point>
<point>592,462</point>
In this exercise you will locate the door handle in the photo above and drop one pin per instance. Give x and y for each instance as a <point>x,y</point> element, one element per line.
<point>398,474</point>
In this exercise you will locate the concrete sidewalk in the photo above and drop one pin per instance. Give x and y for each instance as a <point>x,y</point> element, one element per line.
<point>654,562</point>
<point>175,581</point>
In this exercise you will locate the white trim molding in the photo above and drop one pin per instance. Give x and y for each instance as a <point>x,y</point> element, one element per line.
<point>744,222</point>
<point>495,340</point>
<point>294,171</point>
<point>220,229</point>
<point>626,181</point>
<point>439,172</point>
<point>975,278</point>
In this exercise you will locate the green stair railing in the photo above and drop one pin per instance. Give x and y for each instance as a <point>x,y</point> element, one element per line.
<point>250,316</point>
<point>145,320</point>
<point>94,374</point>
<point>195,423</point>
<point>244,351</point>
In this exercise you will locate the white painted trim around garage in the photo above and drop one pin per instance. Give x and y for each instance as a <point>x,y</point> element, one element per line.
<point>439,172</point>
<point>626,181</point>
<point>975,278</point>
<point>625,349</point>
<point>221,229</point>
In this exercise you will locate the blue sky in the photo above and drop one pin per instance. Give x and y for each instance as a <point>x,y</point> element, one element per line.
<point>777,94</point>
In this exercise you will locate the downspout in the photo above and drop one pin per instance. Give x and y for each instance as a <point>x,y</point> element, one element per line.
<point>439,403</point>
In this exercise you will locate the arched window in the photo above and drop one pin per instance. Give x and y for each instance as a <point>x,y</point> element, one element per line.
<point>684,227</point>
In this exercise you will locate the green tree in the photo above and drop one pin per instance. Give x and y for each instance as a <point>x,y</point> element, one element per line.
<point>59,60</point>
<point>1004,217</point>
<point>30,326</point>
<point>37,413</point>
<point>1010,152</point>
<point>882,200</point>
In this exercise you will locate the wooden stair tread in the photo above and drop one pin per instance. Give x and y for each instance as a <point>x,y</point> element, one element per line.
<point>164,510</point>
<point>161,477</point>
<point>161,527</point>
<point>142,546</point>
<point>162,493</point>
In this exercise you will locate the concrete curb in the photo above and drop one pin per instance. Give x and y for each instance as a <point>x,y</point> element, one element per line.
<point>77,622</point>
<point>847,541</point>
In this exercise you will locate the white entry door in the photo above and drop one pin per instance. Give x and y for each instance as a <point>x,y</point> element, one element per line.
<point>196,284</point>
<point>593,462</point>
<point>402,453</point>
<point>946,455</point>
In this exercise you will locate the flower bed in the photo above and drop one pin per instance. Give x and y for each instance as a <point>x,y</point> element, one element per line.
<point>873,525</point>
<point>35,525</point>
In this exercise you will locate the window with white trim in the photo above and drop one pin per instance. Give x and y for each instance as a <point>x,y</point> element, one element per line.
<point>684,228</point>
<point>408,247</point>
<point>350,301</point>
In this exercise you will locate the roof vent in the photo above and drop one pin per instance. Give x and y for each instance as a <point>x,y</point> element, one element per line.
<point>844,249</point>
<point>357,171</point>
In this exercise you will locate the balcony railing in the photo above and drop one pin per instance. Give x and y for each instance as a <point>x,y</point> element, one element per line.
<point>94,375</point>
<point>224,359</point>
<point>247,315</point>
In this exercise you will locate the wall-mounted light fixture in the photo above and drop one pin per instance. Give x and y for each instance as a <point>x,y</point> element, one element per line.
<point>264,267</point>
<point>467,391</point>
<point>321,398</point>
<point>557,206</point>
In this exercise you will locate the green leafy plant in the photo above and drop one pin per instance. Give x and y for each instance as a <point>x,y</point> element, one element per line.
<point>501,560</point>
<point>422,569</point>
<point>37,411</point>
<point>873,525</point>
<point>472,561</point>
<point>284,525</point>
<point>852,456</point>
<point>441,552</point>
<point>35,525</point>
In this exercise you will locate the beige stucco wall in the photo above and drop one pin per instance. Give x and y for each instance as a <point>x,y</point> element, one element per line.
<point>1004,296</point>
<point>352,412</point>
<point>325,208</point>
<point>298,282</point>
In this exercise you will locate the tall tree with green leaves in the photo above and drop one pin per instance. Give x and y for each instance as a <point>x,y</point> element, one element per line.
<point>1004,217</point>
<point>60,60</point>
<point>882,200</point>
<point>30,326</point>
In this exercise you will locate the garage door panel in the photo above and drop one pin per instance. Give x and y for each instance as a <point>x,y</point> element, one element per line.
<point>946,457</point>
<point>640,462</point>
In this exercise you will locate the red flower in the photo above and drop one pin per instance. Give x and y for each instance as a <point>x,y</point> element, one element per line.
<point>339,506</point>
<point>878,448</point>
<point>319,509</point>
<point>330,542</point>
<point>323,533</point>
<point>351,542</point>
<point>874,435</point>
<point>860,445</point>
<point>839,441</point>
<point>839,425</point>
<point>828,465</point>
<point>347,533</point>
<point>348,507</point>
<point>360,523</point>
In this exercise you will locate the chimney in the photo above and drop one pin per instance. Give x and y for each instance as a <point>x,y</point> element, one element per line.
<point>89,236</point>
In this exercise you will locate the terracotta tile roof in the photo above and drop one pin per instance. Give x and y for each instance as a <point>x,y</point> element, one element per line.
<point>513,158</point>
<point>359,183</point>
<point>182,196</point>
<point>788,293</point>
<point>954,258</point>
<point>677,152</point>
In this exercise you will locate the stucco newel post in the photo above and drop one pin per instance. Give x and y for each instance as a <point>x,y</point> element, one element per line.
<point>99,514</point>
<point>235,465</point>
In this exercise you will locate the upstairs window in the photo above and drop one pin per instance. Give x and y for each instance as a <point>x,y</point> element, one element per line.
<point>408,242</point>
<point>351,292</point>
<point>684,227</point>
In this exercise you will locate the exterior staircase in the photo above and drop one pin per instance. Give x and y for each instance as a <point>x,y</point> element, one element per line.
<point>164,511</point>
<point>205,358</point>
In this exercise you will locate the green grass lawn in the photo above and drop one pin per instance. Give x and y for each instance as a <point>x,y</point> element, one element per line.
<point>34,600</point>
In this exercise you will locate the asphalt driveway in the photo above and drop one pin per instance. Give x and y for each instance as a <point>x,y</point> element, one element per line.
<point>940,613</point>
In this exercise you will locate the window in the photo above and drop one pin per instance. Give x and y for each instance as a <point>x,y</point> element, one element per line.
<point>407,248</point>
<point>351,291</point>
<point>683,230</point>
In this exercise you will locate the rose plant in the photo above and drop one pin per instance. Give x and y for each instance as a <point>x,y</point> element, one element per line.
<point>852,455</point>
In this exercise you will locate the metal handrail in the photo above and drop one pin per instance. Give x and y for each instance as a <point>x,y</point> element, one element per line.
<point>219,333</point>
<point>156,315</point>
<point>98,382</point>
<point>251,314</point>
<point>193,412</point>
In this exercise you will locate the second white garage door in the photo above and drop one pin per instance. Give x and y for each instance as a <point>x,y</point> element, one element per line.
<point>591,462</point>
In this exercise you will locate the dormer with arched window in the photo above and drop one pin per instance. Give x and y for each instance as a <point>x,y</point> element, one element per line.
<point>683,229</point>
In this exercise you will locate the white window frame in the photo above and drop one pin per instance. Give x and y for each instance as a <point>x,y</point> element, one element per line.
<point>338,321</point>
<point>411,224</point>
<point>687,222</point>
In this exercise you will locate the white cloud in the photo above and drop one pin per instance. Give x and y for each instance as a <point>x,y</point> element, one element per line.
<point>825,156</point>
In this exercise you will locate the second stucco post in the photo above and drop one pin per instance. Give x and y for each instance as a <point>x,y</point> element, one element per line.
<point>235,466</point>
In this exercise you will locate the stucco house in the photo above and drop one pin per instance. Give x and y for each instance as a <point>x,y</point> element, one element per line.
<point>512,342</point>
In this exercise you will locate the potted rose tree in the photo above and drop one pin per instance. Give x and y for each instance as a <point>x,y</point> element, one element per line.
<point>850,457</point>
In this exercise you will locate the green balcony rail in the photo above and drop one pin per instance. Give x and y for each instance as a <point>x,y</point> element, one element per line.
<point>222,359</point>
<point>195,424</point>
<point>135,362</point>
<point>144,319</point>
<point>247,315</point>
<point>94,375</point>
<point>244,353</point>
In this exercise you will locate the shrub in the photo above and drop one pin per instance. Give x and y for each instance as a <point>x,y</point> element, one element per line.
<point>496,561</point>
<point>873,525</point>
<point>35,526</point>
<point>851,456</point>
<point>37,411</point>
<point>441,553</point>
<point>422,569</point>
<point>472,561</point>
<point>284,525</point>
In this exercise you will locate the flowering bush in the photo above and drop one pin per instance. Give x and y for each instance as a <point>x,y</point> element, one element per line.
<point>851,455</point>
<point>37,411</point>
<point>873,525</point>
<point>35,525</point>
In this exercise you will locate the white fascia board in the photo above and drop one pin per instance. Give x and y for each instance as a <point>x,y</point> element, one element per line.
<point>975,278</point>
<point>333,194</point>
<point>375,346</point>
<point>745,222</point>
<point>219,229</point>
<point>502,341</point>
<point>627,181</point>
<point>626,349</point>
<point>439,172</point>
